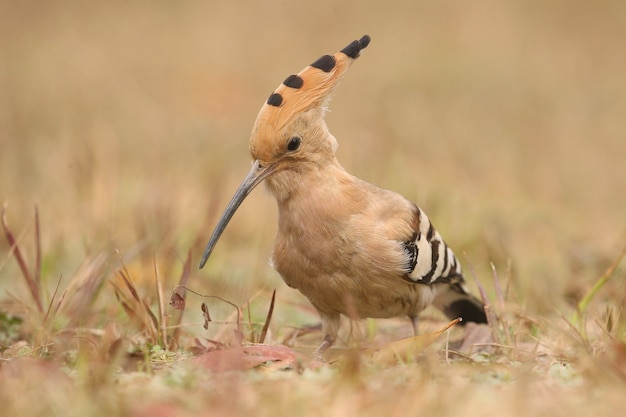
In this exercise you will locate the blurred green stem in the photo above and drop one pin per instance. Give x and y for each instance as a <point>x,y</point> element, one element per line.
<point>586,300</point>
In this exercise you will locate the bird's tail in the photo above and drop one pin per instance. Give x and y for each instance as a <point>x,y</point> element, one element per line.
<point>455,300</point>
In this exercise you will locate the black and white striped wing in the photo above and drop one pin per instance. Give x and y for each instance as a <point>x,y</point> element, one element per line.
<point>430,259</point>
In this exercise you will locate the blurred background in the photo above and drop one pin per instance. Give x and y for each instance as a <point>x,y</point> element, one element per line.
<point>127,125</point>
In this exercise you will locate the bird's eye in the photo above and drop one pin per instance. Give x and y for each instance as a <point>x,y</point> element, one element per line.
<point>294,143</point>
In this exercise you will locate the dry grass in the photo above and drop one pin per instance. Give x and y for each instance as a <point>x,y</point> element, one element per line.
<point>127,125</point>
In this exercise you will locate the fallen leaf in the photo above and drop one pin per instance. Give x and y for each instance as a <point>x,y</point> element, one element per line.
<point>244,357</point>
<point>206,315</point>
<point>405,350</point>
<point>177,301</point>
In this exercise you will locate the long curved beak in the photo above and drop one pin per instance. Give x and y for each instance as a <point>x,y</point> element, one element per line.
<point>255,176</point>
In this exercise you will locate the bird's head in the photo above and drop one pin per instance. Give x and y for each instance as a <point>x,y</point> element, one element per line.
<point>289,133</point>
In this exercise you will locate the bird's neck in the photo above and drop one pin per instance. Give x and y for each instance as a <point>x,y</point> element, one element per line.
<point>318,201</point>
<point>308,179</point>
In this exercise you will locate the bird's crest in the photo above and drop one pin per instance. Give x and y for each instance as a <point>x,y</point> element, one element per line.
<point>309,89</point>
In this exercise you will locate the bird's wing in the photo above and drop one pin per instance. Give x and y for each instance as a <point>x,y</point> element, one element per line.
<point>392,222</point>
<point>429,259</point>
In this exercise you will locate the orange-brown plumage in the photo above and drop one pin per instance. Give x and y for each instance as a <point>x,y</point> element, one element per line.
<point>350,247</point>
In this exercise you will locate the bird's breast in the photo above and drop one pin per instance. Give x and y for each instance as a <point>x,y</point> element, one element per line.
<point>341,263</point>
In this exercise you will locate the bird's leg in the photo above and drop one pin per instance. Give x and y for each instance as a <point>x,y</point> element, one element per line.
<point>318,354</point>
<point>414,323</point>
<point>330,328</point>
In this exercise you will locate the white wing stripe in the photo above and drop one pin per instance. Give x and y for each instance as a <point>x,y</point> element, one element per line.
<point>435,260</point>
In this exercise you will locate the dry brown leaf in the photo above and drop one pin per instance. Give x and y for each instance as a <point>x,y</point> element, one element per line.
<point>206,315</point>
<point>244,357</point>
<point>177,301</point>
<point>405,350</point>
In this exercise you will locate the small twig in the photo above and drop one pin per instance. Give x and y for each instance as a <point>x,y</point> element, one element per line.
<point>501,346</point>
<point>37,249</point>
<point>501,305</point>
<point>32,285</point>
<point>459,354</point>
<point>250,320</point>
<point>184,277</point>
<point>212,296</point>
<point>586,300</point>
<point>162,317</point>
<point>268,319</point>
<point>578,333</point>
<point>508,275</point>
<point>54,294</point>
<point>497,286</point>
<point>127,278</point>
<point>26,353</point>
<point>141,311</point>
<point>491,316</point>
<point>448,347</point>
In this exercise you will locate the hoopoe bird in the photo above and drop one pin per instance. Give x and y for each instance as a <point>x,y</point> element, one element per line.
<point>350,247</point>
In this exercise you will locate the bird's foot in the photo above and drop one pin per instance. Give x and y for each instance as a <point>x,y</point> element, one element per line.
<point>318,354</point>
